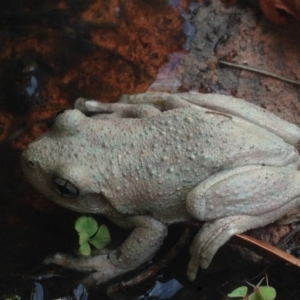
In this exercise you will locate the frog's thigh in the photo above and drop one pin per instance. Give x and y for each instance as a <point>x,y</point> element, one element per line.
<point>244,110</point>
<point>282,192</point>
<point>250,190</point>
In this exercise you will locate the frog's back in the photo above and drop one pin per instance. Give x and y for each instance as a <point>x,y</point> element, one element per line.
<point>214,140</point>
<point>176,150</point>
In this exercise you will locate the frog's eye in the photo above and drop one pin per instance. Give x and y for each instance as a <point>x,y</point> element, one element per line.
<point>65,188</point>
<point>52,121</point>
<point>69,121</point>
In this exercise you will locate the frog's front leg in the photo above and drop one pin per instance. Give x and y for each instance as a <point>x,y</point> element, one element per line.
<point>138,248</point>
<point>235,201</point>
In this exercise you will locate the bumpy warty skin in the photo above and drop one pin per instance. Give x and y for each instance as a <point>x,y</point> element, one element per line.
<point>150,166</point>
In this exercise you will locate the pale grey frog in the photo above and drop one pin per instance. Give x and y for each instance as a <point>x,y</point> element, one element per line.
<point>155,159</point>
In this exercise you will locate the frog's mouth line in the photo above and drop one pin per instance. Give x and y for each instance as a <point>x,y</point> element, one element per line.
<point>90,203</point>
<point>76,206</point>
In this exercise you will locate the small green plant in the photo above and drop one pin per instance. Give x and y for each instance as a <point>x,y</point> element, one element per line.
<point>240,292</point>
<point>11,297</point>
<point>259,292</point>
<point>91,234</point>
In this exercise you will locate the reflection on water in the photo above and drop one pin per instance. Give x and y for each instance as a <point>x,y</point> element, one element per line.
<point>163,290</point>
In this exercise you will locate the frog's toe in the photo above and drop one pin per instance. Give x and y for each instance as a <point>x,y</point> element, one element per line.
<point>100,265</point>
<point>58,259</point>
<point>207,242</point>
<point>202,253</point>
<point>192,270</point>
<point>99,277</point>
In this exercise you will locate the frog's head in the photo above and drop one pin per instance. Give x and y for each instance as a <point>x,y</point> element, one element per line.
<point>58,165</point>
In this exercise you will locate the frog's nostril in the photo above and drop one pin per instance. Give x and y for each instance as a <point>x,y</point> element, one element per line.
<point>30,164</point>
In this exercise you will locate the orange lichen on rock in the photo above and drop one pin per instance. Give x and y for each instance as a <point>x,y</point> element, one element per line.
<point>134,40</point>
<point>101,50</point>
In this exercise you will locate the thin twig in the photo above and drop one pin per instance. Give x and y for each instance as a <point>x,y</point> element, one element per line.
<point>263,72</point>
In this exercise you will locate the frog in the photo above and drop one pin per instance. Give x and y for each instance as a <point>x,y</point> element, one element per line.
<point>154,159</point>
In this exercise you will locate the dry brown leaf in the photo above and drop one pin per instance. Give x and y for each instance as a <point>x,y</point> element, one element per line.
<point>270,249</point>
<point>272,8</point>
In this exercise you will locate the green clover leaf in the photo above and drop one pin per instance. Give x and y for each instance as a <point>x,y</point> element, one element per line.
<point>91,234</point>
<point>240,292</point>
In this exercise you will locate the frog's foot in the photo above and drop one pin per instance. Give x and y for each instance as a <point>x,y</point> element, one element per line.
<point>238,200</point>
<point>220,103</point>
<point>139,247</point>
<point>101,266</point>
<point>211,237</point>
<point>98,110</point>
<point>162,101</point>
<point>133,106</point>
<point>244,110</point>
<point>215,234</point>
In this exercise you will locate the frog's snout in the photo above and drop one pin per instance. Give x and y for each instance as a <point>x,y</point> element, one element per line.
<point>32,168</point>
<point>27,162</point>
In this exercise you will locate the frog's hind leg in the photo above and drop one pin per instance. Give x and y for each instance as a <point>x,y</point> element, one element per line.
<point>244,110</point>
<point>220,103</point>
<point>160,100</point>
<point>98,110</point>
<point>133,106</point>
<point>235,201</point>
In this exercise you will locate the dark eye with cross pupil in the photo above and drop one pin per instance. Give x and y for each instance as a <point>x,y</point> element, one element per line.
<point>65,188</point>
